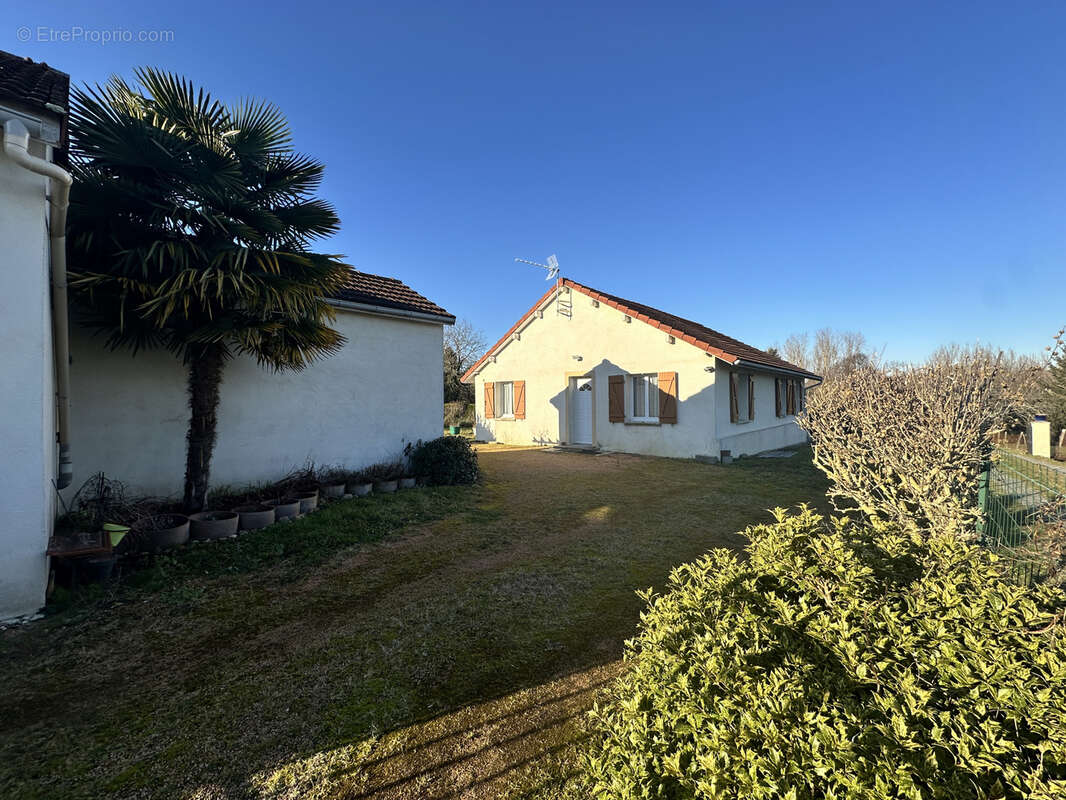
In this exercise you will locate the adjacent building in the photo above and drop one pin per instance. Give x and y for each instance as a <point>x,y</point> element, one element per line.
<point>587,368</point>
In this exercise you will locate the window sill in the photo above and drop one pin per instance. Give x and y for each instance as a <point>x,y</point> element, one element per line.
<point>647,423</point>
<point>506,419</point>
<point>743,422</point>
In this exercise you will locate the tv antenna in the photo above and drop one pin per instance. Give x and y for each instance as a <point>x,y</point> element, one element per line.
<point>552,266</point>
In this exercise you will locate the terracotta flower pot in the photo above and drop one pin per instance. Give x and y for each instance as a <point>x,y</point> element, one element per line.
<point>308,501</point>
<point>213,524</point>
<point>255,516</point>
<point>360,489</point>
<point>286,508</point>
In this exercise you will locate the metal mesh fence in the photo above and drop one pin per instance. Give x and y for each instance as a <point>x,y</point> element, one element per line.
<point>1024,503</point>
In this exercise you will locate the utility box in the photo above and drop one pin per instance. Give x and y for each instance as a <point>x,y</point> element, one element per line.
<point>1041,436</point>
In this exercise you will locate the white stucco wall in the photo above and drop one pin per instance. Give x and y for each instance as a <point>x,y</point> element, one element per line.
<point>543,356</point>
<point>27,426</point>
<point>360,406</point>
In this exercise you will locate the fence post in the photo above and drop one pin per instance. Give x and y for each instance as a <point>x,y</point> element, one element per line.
<point>982,498</point>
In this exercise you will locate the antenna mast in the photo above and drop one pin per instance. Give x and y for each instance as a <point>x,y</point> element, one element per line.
<point>552,266</point>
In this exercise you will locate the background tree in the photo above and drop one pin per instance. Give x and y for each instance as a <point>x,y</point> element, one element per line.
<point>832,353</point>
<point>1053,399</point>
<point>189,228</point>
<point>463,345</point>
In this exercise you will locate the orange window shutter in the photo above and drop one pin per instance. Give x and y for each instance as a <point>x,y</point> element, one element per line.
<point>751,397</point>
<point>616,398</point>
<point>734,407</point>
<point>490,400</point>
<point>519,399</point>
<point>668,398</point>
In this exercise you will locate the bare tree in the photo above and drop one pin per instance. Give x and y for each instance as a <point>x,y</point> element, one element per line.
<point>832,353</point>
<point>466,342</point>
<point>463,345</point>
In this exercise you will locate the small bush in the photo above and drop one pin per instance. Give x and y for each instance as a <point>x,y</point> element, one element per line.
<point>839,662</point>
<point>445,461</point>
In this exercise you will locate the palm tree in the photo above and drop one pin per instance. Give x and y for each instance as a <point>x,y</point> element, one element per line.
<point>189,229</point>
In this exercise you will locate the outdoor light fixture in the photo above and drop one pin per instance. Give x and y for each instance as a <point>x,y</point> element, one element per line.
<point>576,358</point>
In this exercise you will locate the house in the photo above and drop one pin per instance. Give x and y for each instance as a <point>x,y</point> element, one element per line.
<point>33,102</point>
<point>73,408</point>
<point>130,414</point>
<point>586,368</point>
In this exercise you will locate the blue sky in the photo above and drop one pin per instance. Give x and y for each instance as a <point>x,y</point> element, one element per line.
<point>764,168</point>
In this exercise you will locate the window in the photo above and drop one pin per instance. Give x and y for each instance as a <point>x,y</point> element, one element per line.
<point>741,397</point>
<point>645,394</point>
<point>505,399</point>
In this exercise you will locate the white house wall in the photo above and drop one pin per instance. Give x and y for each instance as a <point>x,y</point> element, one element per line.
<point>543,357</point>
<point>767,431</point>
<point>360,406</point>
<point>27,427</point>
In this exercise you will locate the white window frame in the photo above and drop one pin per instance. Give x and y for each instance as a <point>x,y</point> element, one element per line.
<point>650,391</point>
<point>500,414</point>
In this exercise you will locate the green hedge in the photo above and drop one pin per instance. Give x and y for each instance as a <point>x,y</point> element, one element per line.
<point>839,662</point>
<point>445,461</point>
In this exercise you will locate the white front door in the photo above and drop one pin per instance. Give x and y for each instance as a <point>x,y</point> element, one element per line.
<point>581,410</point>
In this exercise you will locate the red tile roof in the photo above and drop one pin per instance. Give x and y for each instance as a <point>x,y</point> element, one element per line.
<point>378,290</point>
<point>32,84</point>
<point>35,86</point>
<point>724,347</point>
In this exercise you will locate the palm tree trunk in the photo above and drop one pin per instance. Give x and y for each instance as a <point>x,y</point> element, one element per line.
<point>205,382</point>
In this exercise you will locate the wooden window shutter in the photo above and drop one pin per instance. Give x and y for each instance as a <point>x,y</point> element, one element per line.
<point>777,397</point>
<point>734,408</point>
<point>519,399</point>
<point>490,399</point>
<point>791,402</point>
<point>751,397</point>
<point>668,398</point>
<point>799,396</point>
<point>616,398</point>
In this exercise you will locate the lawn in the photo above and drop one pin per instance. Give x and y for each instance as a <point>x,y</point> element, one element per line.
<point>435,643</point>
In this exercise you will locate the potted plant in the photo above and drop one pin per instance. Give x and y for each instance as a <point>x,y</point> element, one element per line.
<point>163,531</point>
<point>213,525</point>
<point>332,481</point>
<point>453,414</point>
<point>254,516</point>
<point>385,476</point>
<point>360,484</point>
<point>308,501</point>
<point>285,507</point>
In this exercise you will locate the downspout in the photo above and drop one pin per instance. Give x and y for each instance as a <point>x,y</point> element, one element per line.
<point>16,147</point>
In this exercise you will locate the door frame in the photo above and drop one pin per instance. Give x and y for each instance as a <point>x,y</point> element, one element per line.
<point>571,378</point>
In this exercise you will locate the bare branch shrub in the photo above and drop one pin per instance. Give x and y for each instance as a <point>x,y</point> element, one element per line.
<point>906,445</point>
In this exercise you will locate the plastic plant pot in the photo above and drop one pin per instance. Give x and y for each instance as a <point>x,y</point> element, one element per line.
<point>333,491</point>
<point>361,489</point>
<point>164,531</point>
<point>407,483</point>
<point>385,487</point>
<point>116,533</point>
